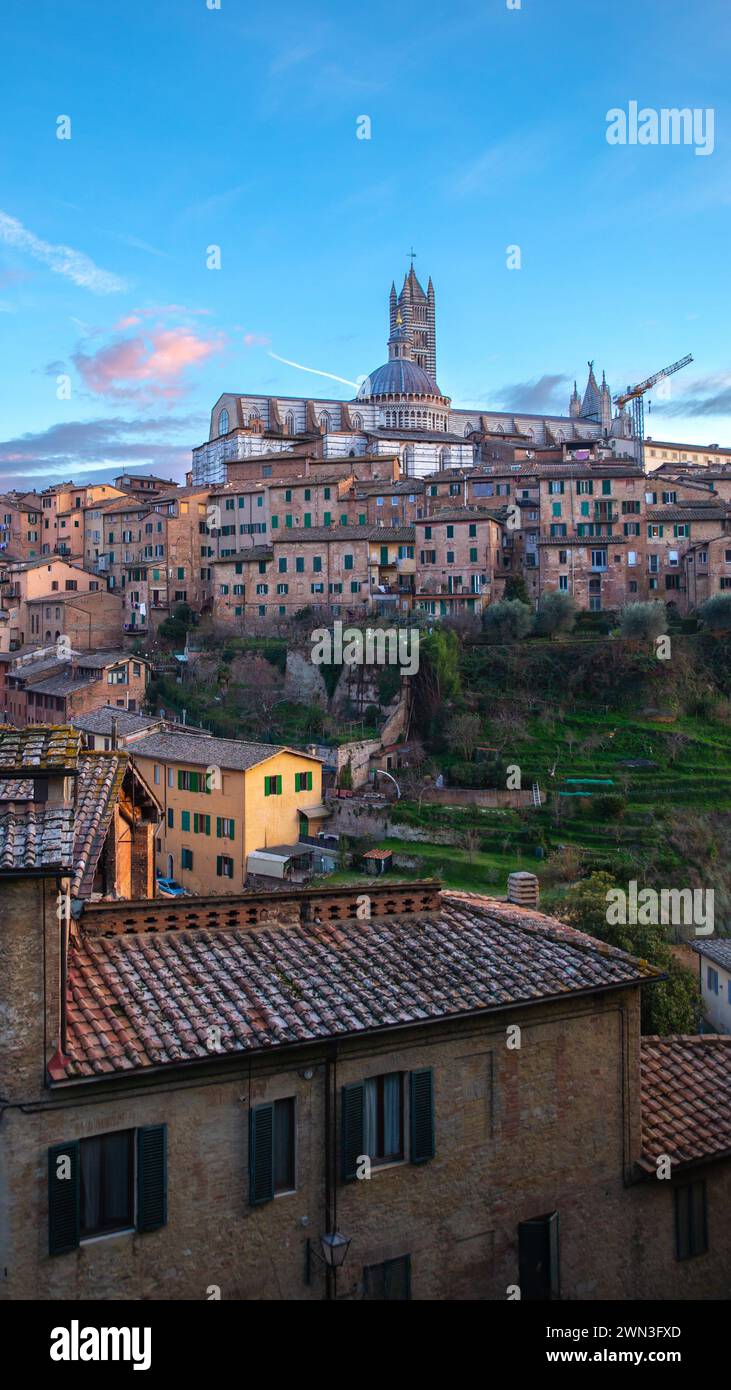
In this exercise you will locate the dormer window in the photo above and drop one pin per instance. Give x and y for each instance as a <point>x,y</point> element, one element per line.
<point>223,422</point>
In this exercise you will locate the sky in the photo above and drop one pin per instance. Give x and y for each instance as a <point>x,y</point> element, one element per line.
<point>235,124</point>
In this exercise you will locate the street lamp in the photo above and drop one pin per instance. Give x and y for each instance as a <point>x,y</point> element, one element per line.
<point>333,1250</point>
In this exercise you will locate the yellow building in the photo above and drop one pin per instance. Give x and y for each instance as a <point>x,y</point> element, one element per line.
<point>223,800</point>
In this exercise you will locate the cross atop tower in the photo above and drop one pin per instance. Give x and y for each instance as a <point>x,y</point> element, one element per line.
<point>412,255</point>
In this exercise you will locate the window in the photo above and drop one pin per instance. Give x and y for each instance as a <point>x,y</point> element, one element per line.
<point>691,1220</point>
<point>348,562</point>
<point>299,565</point>
<point>272,1158</point>
<point>224,866</point>
<point>171,818</point>
<point>201,824</point>
<point>91,1186</point>
<point>223,422</point>
<point>390,1280</point>
<point>303,781</point>
<point>372,1119</point>
<point>563,583</point>
<point>186,859</point>
<point>712,979</point>
<point>273,786</point>
<point>599,559</point>
<point>555,487</point>
<point>185,820</point>
<point>225,828</point>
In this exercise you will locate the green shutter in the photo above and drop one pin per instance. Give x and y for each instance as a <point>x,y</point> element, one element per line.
<point>180,780</point>
<point>152,1184</point>
<point>421,1111</point>
<point>351,1105</point>
<point>266,786</point>
<point>63,1198</point>
<point>309,781</point>
<point>261,1154</point>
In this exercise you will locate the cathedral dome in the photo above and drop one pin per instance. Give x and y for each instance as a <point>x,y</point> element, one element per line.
<point>399,377</point>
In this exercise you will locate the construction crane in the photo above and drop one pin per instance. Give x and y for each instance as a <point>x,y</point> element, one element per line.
<point>636,395</point>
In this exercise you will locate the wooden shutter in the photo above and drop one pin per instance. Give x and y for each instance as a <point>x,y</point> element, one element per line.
<point>351,1105</point>
<point>261,1154</point>
<point>152,1186</point>
<point>421,1115</point>
<point>63,1198</point>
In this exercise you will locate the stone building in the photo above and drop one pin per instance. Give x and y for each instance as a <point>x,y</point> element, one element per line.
<point>197,1093</point>
<point>458,552</point>
<point>399,409</point>
<point>225,800</point>
<point>44,688</point>
<point>83,819</point>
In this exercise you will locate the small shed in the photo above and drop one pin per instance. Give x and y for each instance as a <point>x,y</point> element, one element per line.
<point>377,861</point>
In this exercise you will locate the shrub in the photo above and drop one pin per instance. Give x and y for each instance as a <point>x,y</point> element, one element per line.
<point>716,613</point>
<point>507,621</point>
<point>610,806</point>
<point>556,613</point>
<point>642,621</point>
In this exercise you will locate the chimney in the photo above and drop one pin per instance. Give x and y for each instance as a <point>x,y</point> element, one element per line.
<point>115,732</point>
<point>523,889</point>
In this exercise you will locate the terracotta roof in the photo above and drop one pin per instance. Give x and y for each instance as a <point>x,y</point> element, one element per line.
<point>99,721</point>
<point>36,838</point>
<point>203,750</point>
<point>686,1098</point>
<point>40,747</point>
<point>68,836</point>
<point>384,534</point>
<point>150,999</point>
<point>718,951</point>
<point>100,779</point>
<point>689,511</point>
<point>301,535</point>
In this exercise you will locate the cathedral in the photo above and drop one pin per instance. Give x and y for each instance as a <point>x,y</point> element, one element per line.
<point>399,410</point>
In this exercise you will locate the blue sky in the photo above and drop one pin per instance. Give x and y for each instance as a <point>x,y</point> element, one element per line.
<point>236,127</point>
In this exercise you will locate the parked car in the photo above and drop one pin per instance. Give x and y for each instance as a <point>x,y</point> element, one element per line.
<point>170,888</point>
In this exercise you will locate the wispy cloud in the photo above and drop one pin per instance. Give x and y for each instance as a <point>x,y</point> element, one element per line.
<point>62,260</point>
<point>93,446</point>
<point>314,370</point>
<point>535,396</point>
<point>709,395</point>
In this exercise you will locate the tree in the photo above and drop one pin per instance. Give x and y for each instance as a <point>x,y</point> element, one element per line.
<point>556,613</point>
<point>464,734</point>
<point>669,1006</point>
<point>438,679</point>
<point>507,621</point>
<point>515,588</point>
<point>642,621</point>
<point>716,613</point>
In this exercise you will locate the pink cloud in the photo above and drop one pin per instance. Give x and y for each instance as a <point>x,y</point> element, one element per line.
<point>256,340</point>
<point>145,367</point>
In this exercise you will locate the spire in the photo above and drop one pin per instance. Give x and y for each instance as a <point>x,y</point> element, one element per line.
<point>591,404</point>
<point>575,404</point>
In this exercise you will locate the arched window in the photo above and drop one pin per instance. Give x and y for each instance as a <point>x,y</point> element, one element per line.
<point>560,436</point>
<point>324,422</point>
<point>357,422</point>
<point>289,422</point>
<point>445,456</point>
<point>223,422</point>
<point>253,416</point>
<point>409,460</point>
<point>468,428</point>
